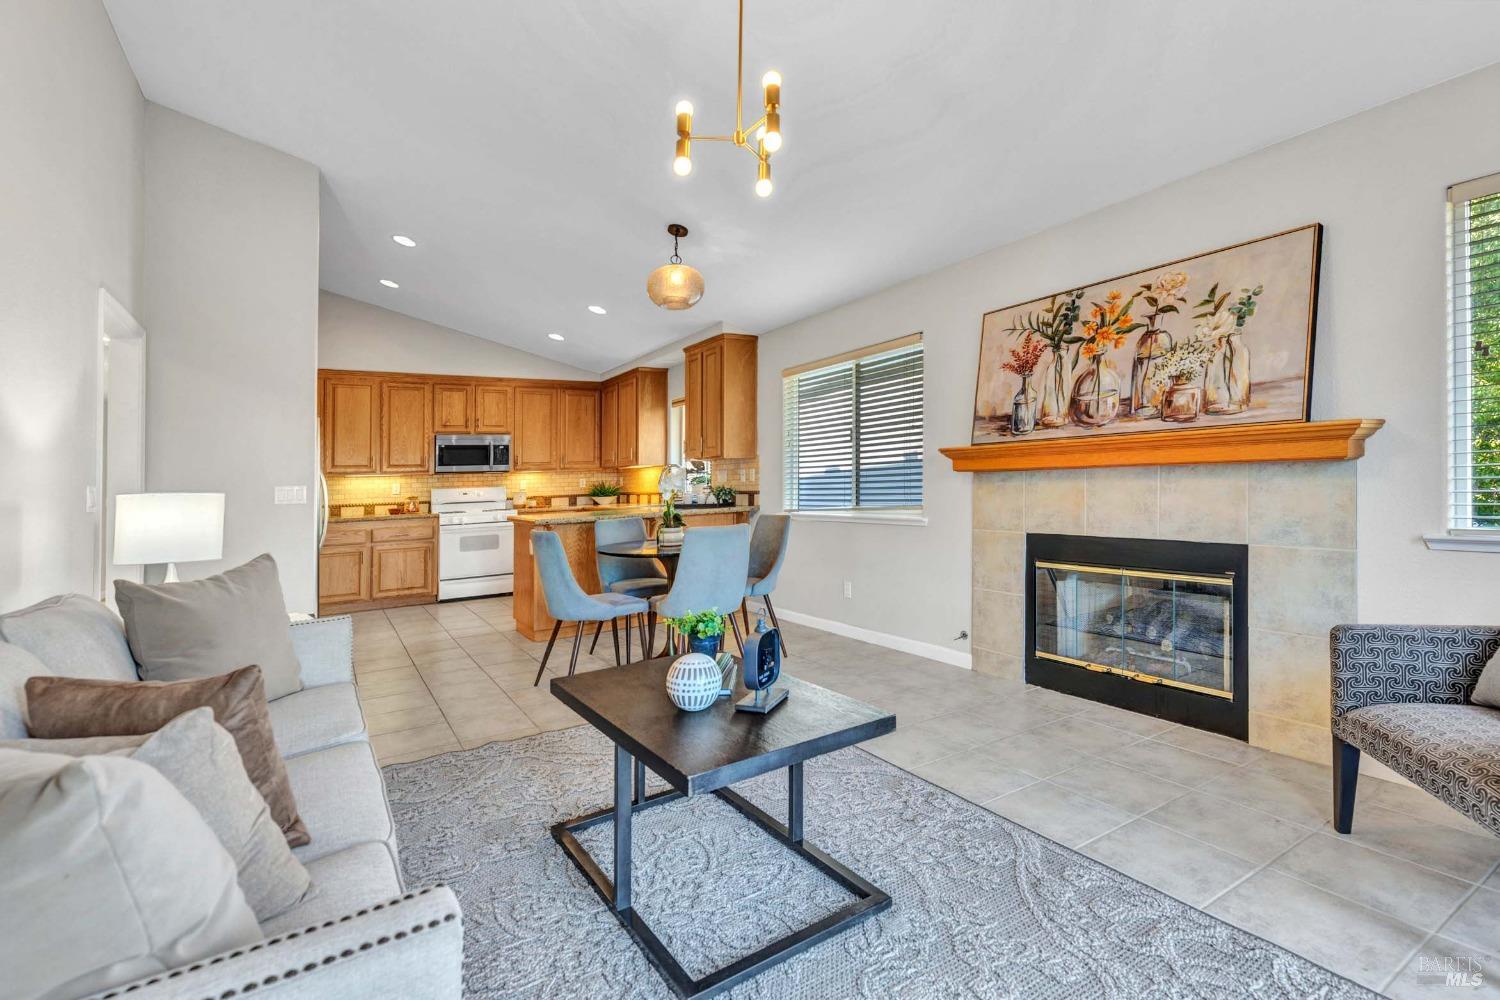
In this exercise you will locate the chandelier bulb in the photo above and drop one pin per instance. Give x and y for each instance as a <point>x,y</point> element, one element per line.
<point>763,187</point>
<point>684,107</point>
<point>682,166</point>
<point>771,79</point>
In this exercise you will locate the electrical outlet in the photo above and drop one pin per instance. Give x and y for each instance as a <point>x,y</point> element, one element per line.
<point>848,588</point>
<point>290,494</point>
<point>582,482</point>
<point>91,499</point>
<point>396,489</point>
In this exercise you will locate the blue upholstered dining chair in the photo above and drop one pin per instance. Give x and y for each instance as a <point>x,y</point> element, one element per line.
<point>567,602</point>
<point>767,553</point>
<point>711,573</point>
<point>623,575</point>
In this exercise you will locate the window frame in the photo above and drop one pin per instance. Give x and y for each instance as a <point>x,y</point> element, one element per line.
<point>909,514</point>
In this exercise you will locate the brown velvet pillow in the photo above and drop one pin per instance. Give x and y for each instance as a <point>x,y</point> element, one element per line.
<point>66,707</point>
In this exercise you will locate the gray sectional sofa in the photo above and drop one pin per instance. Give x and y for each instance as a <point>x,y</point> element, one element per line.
<point>358,933</point>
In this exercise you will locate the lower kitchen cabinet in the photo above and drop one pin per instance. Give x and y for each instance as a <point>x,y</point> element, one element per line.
<point>377,563</point>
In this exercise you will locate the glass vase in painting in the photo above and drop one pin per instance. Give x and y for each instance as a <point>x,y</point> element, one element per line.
<point>1145,388</point>
<point>1096,395</point>
<point>1181,401</point>
<point>1052,408</point>
<point>1023,409</point>
<point>1226,385</point>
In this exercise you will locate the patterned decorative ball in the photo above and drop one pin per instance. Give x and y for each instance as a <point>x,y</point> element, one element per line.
<point>693,682</point>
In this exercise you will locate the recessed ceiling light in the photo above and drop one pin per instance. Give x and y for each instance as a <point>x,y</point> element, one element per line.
<point>555,336</point>
<point>598,310</point>
<point>405,241</point>
<point>387,282</point>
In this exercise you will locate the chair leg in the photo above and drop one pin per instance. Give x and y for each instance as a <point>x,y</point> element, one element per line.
<point>645,641</point>
<point>577,645</point>
<point>1345,777</point>
<point>629,625</point>
<point>556,626</point>
<point>595,644</point>
<point>650,634</point>
<point>614,633</point>
<point>771,610</point>
<point>745,615</point>
<point>739,639</point>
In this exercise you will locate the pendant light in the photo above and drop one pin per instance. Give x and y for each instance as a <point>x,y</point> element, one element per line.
<point>674,285</point>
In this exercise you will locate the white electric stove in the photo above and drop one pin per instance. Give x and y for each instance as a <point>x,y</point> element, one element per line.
<point>476,542</point>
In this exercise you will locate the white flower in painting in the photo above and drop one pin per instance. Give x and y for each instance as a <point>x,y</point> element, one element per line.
<point>1220,324</point>
<point>1168,285</point>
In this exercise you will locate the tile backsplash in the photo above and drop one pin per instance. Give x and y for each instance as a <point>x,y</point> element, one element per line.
<point>387,490</point>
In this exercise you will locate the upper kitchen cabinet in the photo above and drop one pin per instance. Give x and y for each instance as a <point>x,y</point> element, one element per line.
<point>492,408</point>
<point>537,439</point>
<point>720,375</point>
<point>351,424</point>
<point>452,408</point>
<point>633,419</point>
<point>580,428</point>
<point>405,427</point>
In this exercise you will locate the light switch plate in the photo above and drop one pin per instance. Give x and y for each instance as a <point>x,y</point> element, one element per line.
<point>291,494</point>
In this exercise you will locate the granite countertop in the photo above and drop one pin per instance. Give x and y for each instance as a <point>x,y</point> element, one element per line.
<point>335,518</point>
<point>570,515</point>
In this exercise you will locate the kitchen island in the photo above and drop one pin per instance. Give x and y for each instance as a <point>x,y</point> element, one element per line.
<point>575,527</point>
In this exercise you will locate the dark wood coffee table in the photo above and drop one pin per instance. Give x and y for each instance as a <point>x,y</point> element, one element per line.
<point>700,752</point>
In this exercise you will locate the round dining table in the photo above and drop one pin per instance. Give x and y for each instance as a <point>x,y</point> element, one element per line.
<point>646,548</point>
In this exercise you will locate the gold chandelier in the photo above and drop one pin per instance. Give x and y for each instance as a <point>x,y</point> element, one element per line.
<point>675,285</point>
<point>761,139</point>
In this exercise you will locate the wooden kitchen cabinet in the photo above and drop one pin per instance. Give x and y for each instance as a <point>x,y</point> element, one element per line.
<point>492,409</point>
<point>378,563</point>
<point>580,428</point>
<point>633,419</point>
<point>405,427</point>
<point>537,438</point>
<point>452,408</point>
<point>351,425</point>
<point>720,376</point>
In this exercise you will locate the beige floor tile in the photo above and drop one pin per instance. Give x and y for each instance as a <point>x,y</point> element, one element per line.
<point>1334,932</point>
<point>1212,745</point>
<point>1413,802</point>
<point>430,644</point>
<point>1130,791</point>
<point>382,704</point>
<point>1089,737</point>
<point>1464,855</point>
<point>1173,763</point>
<point>1427,975</point>
<point>402,680</point>
<point>382,661</point>
<point>487,729</point>
<point>447,654</point>
<point>1059,814</point>
<point>1412,894</point>
<point>1035,753</point>
<point>406,718</point>
<point>1130,722</point>
<point>1239,830</point>
<point>1173,862</point>
<point>412,744</point>
<point>911,746</point>
<point>974,776</point>
<point>451,671</point>
<point>1283,798</point>
<point>1477,922</point>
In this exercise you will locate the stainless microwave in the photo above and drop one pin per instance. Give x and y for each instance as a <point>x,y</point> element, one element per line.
<point>471,453</point>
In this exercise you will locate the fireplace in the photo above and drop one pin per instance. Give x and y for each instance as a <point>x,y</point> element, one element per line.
<point>1154,626</point>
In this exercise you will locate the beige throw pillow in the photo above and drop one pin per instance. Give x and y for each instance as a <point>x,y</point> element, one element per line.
<point>199,758</point>
<point>1487,689</point>
<point>109,875</point>
<point>201,628</point>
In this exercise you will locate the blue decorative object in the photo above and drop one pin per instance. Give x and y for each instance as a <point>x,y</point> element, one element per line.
<point>761,664</point>
<point>708,645</point>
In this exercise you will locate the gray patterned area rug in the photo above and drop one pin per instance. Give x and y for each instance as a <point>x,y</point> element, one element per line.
<point>982,907</point>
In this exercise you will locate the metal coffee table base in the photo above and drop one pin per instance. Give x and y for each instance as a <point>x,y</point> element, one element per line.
<point>630,798</point>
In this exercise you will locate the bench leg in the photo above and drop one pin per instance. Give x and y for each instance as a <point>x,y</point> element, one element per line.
<point>1345,776</point>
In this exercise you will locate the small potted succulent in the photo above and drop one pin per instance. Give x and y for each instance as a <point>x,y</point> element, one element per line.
<point>704,630</point>
<point>672,529</point>
<point>603,493</point>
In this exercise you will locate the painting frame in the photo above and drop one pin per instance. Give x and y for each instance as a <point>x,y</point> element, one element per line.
<point>988,429</point>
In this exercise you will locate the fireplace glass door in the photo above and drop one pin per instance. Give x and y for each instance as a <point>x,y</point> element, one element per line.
<point>1159,628</point>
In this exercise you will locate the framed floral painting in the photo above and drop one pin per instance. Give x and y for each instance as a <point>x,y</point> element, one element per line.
<point>1221,338</point>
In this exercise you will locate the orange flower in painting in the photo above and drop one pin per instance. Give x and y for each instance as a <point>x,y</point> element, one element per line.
<point>1113,297</point>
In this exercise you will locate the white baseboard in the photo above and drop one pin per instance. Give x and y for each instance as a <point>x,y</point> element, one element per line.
<point>930,650</point>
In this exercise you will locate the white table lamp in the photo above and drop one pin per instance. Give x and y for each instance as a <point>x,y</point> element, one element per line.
<point>168,528</point>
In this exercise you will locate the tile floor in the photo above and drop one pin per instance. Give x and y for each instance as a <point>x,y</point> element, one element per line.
<point>1240,832</point>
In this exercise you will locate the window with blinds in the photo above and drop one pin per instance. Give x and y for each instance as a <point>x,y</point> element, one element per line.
<point>853,428</point>
<point>1474,349</point>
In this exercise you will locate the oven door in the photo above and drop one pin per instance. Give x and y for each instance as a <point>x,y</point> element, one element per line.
<point>462,453</point>
<point>474,551</point>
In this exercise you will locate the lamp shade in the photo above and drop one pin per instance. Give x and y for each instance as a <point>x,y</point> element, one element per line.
<point>675,286</point>
<point>155,528</point>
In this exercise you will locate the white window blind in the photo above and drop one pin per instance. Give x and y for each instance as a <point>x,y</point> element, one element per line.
<point>853,428</point>
<point>1474,352</point>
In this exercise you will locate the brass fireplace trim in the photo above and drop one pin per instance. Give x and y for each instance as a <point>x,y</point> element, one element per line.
<point>1223,580</point>
<point>1135,675</point>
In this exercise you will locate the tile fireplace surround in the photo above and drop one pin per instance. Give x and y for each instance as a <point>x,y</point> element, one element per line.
<point>1298,519</point>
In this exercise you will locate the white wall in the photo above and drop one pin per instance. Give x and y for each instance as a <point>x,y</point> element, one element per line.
<point>231,310</point>
<point>1376,181</point>
<point>71,117</point>
<point>361,337</point>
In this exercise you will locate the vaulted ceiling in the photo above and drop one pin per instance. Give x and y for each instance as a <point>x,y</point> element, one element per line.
<point>526,146</point>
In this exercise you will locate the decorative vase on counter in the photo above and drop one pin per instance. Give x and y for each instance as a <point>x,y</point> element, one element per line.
<point>1052,408</point>
<point>1096,395</point>
<point>1182,400</point>
<point>1145,393</point>
<point>694,682</point>
<point>1023,409</point>
<point>604,501</point>
<point>670,536</point>
<point>1226,385</point>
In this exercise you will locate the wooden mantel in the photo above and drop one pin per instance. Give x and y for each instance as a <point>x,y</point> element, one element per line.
<point>1320,441</point>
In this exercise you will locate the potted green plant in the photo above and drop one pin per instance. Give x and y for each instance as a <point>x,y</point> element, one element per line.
<point>704,630</point>
<point>723,493</point>
<point>672,529</point>
<point>604,493</point>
